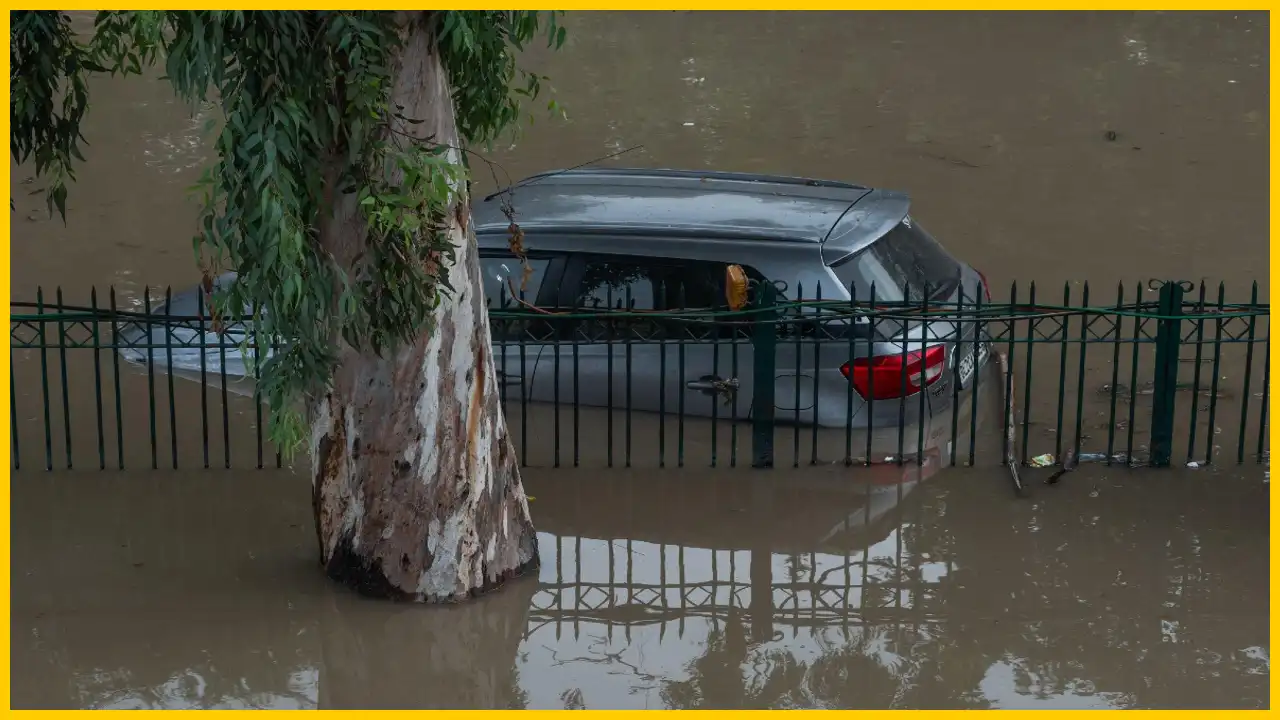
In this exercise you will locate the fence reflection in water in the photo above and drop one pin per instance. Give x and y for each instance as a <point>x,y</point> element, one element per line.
<point>610,386</point>
<point>825,553</point>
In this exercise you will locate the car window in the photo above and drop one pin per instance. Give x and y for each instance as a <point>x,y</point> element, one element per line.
<point>650,285</point>
<point>501,274</point>
<point>646,285</point>
<point>901,265</point>
<point>616,284</point>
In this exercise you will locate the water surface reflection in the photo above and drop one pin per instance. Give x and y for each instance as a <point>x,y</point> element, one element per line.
<point>802,589</point>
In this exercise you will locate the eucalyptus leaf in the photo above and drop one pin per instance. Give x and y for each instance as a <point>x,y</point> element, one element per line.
<point>306,119</point>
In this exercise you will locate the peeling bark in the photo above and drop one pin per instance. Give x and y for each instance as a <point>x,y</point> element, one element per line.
<point>417,491</point>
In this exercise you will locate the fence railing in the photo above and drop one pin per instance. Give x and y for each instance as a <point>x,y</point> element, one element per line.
<point>798,380</point>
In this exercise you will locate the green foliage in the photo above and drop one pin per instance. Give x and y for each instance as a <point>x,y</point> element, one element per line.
<point>307,118</point>
<point>476,47</point>
<point>45,61</point>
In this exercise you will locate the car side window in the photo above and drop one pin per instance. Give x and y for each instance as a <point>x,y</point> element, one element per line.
<point>649,285</point>
<point>616,284</point>
<point>642,284</point>
<point>501,275</point>
<point>695,285</point>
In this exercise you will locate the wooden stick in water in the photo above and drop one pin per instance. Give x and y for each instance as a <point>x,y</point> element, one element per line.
<point>1010,454</point>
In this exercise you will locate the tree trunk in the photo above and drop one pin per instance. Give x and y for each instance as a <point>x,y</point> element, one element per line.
<point>417,490</point>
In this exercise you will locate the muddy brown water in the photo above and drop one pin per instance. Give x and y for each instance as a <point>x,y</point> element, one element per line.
<point>800,589</point>
<point>1059,148</point>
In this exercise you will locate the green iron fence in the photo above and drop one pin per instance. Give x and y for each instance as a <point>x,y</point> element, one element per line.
<point>788,379</point>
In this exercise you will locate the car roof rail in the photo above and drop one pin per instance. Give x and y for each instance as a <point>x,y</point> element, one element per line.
<point>681,174</point>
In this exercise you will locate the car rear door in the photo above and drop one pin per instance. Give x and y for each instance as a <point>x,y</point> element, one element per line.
<point>660,365</point>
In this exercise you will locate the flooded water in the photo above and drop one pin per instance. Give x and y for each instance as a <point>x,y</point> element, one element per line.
<point>1059,148</point>
<point>794,589</point>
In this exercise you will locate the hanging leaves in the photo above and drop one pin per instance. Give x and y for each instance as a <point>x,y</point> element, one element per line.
<point>297,90</point>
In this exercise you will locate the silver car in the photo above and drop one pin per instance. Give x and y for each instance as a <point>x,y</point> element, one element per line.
<point>655,240</point>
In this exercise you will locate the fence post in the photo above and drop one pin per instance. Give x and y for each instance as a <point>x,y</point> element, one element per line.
<point>764,346</point>
<point>1168,339</point>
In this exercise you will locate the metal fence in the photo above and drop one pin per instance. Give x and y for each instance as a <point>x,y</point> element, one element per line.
<point>1166,372</point>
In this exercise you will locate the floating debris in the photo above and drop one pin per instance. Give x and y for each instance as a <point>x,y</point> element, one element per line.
<point>1071,460</point>
<point>1102,457</point>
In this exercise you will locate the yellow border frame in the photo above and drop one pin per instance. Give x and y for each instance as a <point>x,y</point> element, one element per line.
<point>6,452</point>
<point>697,5</point>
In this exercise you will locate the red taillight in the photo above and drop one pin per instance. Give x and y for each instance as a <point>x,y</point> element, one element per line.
<point>881,377</point>
<point>986,287</point>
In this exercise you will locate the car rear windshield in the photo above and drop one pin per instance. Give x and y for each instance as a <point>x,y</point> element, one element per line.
<point>902,264</point>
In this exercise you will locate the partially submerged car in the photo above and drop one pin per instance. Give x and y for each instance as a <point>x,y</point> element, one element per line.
<point>667,240</point>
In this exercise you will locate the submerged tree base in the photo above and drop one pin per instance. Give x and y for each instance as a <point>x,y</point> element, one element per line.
<point>363,575</point>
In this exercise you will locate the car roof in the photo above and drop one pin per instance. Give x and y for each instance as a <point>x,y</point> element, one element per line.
<point>671,203</point>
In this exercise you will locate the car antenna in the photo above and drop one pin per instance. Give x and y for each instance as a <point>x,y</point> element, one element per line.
<point>540,178</point>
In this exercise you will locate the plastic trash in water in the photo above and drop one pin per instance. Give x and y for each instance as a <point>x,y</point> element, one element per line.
<point>1193,465</point>
<point>1041,461</point>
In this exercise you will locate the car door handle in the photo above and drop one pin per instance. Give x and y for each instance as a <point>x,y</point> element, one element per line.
<point>713,384</point>
<point>510,378</point>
